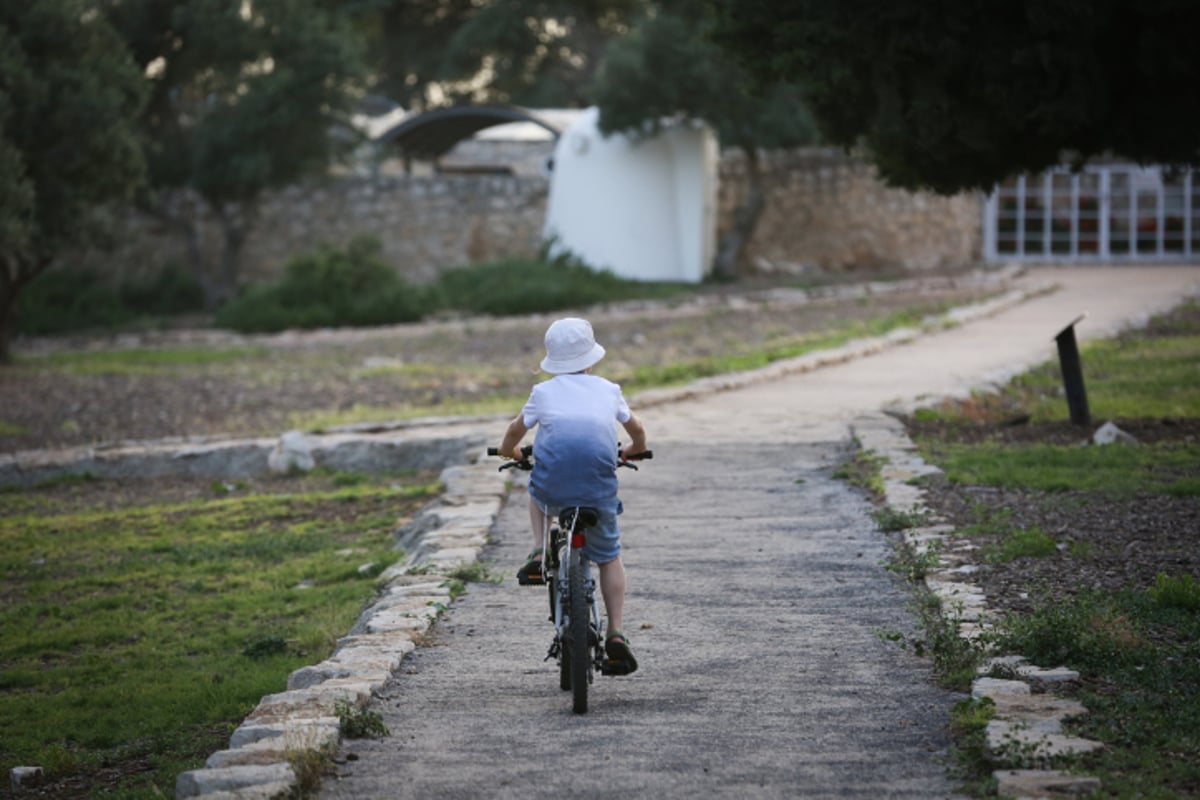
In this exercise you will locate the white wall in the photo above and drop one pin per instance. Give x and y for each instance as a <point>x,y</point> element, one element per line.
<point>644,210</point>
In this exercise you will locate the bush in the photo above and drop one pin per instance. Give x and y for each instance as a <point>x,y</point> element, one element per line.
<point>531,286</point>
<point>328,288</point>
<point>64,299</point>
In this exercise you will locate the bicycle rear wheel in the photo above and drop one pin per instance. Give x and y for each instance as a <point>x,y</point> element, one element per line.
<point>575,656</point>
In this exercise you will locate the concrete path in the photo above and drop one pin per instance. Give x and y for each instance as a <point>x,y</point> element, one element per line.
<point>757,595</point>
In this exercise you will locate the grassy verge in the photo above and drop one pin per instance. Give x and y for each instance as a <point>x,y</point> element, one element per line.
<point>134,637</point>
<point>1137,649</point>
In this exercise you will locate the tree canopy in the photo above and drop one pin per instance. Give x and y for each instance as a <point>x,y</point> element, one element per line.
<point>538,53</point>
<point>953,96</point>
<point>244,97</point>
<point>69,95</point>
<point>667,69</point>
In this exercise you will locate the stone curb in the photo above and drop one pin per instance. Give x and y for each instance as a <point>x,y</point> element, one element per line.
<point>283,727</point>
<point>1027,727</point>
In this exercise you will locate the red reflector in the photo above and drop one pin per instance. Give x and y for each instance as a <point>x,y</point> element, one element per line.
<point>577,541</point>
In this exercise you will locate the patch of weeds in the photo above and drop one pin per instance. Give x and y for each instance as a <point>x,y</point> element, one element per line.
<point>8,429</point>
<point>72,479</point>
<point>862,470</point>
<point>310,766</point>
<point>1080,550</point>
<point>456,588</point>
<point>956,658</point>
<point>356,723</point>
<point>912,565</point>
<point>1022,543</point>
<point>891,520</point>
<point>1089,631</point>
<point>1182,592</point>
<point>972,760</point>
<point>475,572</point>
<point>989,521</point>
<point>265,647</point>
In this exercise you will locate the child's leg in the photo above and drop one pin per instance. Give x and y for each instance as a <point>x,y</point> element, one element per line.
<point>537,520</point>
<point>612,588</point>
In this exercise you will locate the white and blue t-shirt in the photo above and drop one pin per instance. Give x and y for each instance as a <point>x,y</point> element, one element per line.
<point>575,452</point>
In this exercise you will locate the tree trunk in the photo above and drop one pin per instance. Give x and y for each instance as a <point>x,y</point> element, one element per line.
<point>235,225</point>
<point>745,220</point>
<point>13,278</point>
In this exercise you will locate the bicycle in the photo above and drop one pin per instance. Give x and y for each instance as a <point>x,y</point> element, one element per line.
<point>578,644</point>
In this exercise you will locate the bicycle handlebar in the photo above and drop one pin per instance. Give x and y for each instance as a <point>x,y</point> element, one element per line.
<point>525,464</point>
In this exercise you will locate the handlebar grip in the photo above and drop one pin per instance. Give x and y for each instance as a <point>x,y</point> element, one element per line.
<point>645,455</point>
<point>526,451</point>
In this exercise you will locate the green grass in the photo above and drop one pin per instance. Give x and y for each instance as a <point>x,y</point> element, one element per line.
<point>143,635</point>
<point>1115,469</point>
<point>675,374</point>
<point>1142,690</point>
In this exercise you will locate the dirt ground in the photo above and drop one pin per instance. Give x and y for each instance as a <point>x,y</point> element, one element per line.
<point>1106,544</point>
<point>1127,541</point>
<point>258,385</point>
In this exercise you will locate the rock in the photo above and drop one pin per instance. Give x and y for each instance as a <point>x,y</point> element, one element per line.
<point>1043,783</point>
<point>25,778</point>
<point>293,453</point>
<point>990,687</point>
<point>1108,433</point>
<point>265,781</point>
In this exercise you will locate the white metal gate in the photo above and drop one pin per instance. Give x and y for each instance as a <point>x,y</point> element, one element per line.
<point>1104,213</point>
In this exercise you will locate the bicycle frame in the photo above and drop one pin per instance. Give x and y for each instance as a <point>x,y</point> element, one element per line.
<point>563,549</point>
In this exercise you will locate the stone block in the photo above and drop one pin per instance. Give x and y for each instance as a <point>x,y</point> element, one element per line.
<point>1008,740</point>
<point>991,687</point>
<point>1043,783</point>
<point>264,778</point>
<point>20,778</point>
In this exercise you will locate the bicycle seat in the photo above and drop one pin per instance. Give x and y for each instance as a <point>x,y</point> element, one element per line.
<point>588,517</point>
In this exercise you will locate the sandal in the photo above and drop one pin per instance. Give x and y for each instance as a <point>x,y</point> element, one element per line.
<point>531,573</point>
<point>619,658</point>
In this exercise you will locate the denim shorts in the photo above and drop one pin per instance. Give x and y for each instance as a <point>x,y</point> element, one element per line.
<point>604,540</point>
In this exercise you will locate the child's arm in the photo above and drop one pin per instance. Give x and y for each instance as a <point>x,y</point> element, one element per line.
<point>637,432</point>
<point>513,436</point>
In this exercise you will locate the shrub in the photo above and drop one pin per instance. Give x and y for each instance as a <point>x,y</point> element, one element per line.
<point>328,288</point>
<point>530,286</point>
<point>1182,592</point>
<point>1087,632</point>
<point>64,299</point>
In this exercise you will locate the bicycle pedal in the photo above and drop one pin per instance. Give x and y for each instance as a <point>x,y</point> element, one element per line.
<point>615,668</point>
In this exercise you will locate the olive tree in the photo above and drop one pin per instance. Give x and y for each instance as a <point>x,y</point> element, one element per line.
<point>69,97</point>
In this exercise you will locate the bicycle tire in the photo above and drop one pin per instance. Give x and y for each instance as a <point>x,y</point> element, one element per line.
<point>564,653</point>
<point>576,653</point>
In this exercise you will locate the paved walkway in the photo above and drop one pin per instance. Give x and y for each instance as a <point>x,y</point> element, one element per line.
<point>756,601</point>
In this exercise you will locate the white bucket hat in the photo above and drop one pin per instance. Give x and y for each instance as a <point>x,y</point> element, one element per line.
<point>570,347</point>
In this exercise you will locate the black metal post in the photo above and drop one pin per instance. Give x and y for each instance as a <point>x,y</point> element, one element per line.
<point>1072,373</point>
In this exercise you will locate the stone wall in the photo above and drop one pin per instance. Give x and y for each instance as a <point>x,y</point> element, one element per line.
<point>828,210</point>
<point>825,210</point>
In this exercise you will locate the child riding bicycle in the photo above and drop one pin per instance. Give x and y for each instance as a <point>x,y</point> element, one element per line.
<point>575,460</point>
